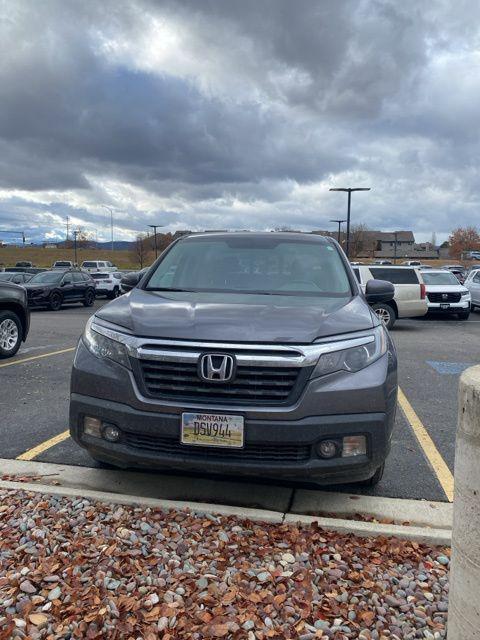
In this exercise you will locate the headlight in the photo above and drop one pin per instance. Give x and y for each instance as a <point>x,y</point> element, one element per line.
<point>466,294</point>
<point>354,358</point>
<point>103,347</point>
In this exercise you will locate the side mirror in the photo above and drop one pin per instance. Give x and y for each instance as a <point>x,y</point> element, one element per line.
<point>379,291</point>
<point>130,280</point>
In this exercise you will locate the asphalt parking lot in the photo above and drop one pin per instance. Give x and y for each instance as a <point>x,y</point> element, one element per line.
<point>34,389</point>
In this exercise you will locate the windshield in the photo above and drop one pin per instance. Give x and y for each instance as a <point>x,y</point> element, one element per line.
<point>439,278</point>
<point>100,276</point>
<point>89,264</point>
<point>47,276</point>
<point>268,265</point>
<point>62,264</point>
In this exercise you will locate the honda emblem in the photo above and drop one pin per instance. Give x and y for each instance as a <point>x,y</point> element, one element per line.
<point>216,367</point>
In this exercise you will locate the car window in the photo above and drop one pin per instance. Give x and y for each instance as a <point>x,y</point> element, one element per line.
<point>78,277</point>
<point>117,275</point>
<point>47,277</point>
<point>476,277</point>
<point>265,264</point>
<point>89,264</point>
<point>395,276</point>
<point>357,274</point>
<point>17,279</point>
<point>62,264</point>
<point>86,277</point>
<point>67,278</point>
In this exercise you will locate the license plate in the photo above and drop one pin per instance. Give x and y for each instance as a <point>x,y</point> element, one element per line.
<point>212,430</point>
<point>445,306</point>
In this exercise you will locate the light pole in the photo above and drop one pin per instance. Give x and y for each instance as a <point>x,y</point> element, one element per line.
<point>75,234</point>
<point>155,227</point>
<point>349,191</point>
<point>111,221</point>
<point>339,222</point>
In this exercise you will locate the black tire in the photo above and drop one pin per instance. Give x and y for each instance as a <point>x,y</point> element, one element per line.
<point>55,303</point>
<point>464,315</point>
<point>386,313</point>
<point>375,479</point>
<point>113,294</point>
<point>89,298</point>
<point>11,332</point>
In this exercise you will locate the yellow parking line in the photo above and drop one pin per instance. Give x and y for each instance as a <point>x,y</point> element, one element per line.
<point>44,355</point>
<point>30,454</point>
<point>431,452</point>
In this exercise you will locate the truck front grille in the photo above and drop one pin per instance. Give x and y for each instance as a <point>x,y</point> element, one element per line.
<point>180,381</point>
<point>444,297</point>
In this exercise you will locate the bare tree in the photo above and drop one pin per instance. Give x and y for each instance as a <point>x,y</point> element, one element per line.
<point>359,240</point>
<point>140,249</point>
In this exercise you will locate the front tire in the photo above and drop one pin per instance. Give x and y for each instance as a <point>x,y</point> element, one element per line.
<point>55,302</point>
<point>89,299</point>
<point>464,315</point>
<point>386,313</point>
<point>10,334</point>
<point>113,294</point>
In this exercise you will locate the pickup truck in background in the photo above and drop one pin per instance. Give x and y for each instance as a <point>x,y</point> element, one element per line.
<point>14,318</point>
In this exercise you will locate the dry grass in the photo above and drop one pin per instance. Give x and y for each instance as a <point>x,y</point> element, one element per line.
<point>46,257</point>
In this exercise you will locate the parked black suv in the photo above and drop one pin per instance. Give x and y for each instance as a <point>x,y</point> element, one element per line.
<point>14,318</point>
<point>53,288</point>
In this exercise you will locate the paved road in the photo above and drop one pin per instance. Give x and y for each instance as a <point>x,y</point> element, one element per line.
<point>432,353</point>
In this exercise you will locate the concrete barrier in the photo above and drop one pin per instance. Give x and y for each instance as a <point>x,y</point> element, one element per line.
<point>464,607</point>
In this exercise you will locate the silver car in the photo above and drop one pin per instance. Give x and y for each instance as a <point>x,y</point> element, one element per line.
<point>253,354</point>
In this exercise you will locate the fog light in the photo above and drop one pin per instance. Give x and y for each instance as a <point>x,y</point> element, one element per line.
<point>327,448</point>
<point>354,446</point>
<point>111,433</point>
<point>92,426</point>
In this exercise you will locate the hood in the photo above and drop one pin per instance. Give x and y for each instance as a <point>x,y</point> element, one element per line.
<point>236,317</point>
<point>445,288</point>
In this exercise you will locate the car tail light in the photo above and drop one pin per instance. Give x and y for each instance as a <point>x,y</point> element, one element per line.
<point>422,291</point>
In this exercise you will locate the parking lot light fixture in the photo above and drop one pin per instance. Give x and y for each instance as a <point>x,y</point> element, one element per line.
<point>349,190</point>
<point>339,222</point>
<point>155,227</point>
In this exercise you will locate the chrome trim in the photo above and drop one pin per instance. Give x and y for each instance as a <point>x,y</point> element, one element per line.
<point>306,355</point>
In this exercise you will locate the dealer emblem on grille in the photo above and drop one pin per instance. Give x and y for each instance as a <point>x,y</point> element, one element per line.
<point>444,296</point>
<point>216,367</point>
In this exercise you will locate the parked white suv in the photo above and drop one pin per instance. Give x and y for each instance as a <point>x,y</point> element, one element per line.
<point>410,295</point>
<point>107,283</point>
<point>445,294</point>
<point>98,265</point>
<point>472,283</point>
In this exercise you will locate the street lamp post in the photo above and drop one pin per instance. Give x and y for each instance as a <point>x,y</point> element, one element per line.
<point>349,191</point>
<point>339,222</point>
<point>155,227</point>
<point>75,234</point>
<point>111,221</point>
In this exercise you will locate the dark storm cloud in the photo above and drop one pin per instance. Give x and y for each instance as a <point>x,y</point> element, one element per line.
<point>250,104</point>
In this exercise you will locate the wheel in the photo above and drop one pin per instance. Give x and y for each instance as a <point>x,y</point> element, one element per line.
<point>55,301</point>
<point>114,294</point>
<point>464,315</point>
<point>375,479</point>
<point>89,299</point>
<point>10,334</point>
<point>386,313</point>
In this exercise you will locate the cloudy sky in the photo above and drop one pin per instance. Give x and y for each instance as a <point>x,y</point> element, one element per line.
<point>225,114</point>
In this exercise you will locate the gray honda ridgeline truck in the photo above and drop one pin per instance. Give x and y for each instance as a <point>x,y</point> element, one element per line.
<point>241,353</point>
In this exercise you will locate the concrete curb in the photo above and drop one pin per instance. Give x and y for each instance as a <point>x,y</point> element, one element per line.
<point>360,528</point>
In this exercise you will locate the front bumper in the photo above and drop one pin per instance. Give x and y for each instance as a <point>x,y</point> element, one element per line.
<point>453,307</point>
<point>38,301</point>
<point>279,441</point>
<point>152,441</point>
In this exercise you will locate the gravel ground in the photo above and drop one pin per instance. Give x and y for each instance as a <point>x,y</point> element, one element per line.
<point>70,568</point>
